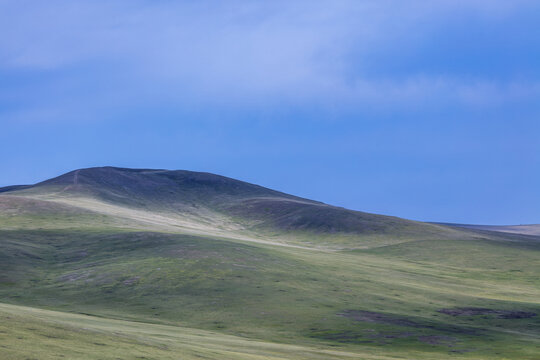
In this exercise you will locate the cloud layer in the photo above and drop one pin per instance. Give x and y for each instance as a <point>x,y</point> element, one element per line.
<point>345,53</point>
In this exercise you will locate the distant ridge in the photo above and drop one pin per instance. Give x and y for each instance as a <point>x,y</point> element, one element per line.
<point>524,229</point>
<point>13,188</point>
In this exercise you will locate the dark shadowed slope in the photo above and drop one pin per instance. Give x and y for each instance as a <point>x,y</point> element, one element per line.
<point>143,187</point>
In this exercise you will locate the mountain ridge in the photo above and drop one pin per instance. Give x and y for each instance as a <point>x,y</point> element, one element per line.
<point>201,202</point>
<point>210,200</point>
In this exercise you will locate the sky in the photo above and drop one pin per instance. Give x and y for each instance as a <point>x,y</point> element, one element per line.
<point>428,110</point>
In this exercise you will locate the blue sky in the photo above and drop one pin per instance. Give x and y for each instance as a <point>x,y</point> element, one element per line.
<point>427,110</point>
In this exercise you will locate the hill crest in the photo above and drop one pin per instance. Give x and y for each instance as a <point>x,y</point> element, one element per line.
<point>195,200</point>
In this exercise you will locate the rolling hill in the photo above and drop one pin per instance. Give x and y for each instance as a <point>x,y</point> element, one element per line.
<point>213,204</point>
<point>162,264</point>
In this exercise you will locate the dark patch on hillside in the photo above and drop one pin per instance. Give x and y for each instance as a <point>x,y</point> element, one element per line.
<point>311,217</point>
<point>296,215</point>
<point>501,314</point>
<point>379,318</point>
<point>398,320</point>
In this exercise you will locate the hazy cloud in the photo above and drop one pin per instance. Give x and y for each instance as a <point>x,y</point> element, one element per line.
<point>243,52</point>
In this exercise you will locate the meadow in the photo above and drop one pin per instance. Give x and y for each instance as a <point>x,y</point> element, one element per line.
<point>82,276</point>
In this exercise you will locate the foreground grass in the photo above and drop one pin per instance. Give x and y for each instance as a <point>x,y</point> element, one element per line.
<point>30,333</point>
<point>287,295</point>
<point>40,334</point>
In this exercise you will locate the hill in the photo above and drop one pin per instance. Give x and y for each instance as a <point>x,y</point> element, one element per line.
<point>159,264</point>
<point>203,203</point>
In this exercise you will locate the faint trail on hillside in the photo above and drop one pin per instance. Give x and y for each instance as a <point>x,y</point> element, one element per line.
<point>75,181</point>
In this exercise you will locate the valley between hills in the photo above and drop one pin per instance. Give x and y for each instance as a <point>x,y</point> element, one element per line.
<point>114,263</point>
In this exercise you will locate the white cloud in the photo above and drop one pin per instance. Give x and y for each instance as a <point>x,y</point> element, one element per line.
<point>240,52</point>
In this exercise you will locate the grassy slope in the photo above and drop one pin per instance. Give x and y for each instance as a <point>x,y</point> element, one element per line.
<point>201,203</point>
<point>284,295</point>
<point>40,334</point>
<point>58,257</point>
<point>31,333</point>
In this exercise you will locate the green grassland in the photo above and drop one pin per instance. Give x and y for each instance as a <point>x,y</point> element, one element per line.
<point>204,281</point>
<point>31,333</point>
